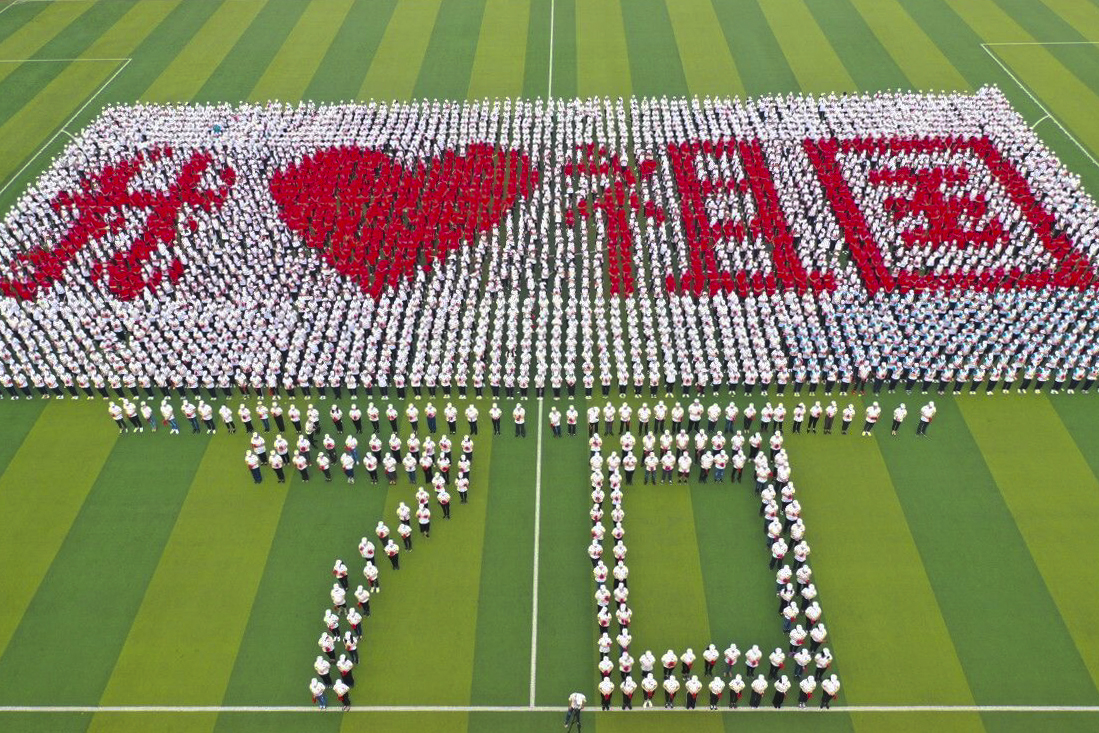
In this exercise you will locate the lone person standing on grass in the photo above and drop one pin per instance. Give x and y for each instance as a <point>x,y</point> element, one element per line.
<point>576,706</point>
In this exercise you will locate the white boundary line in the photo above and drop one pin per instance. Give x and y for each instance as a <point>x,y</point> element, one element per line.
<point>77,113</point>
<point>534,574</point>
<point>549,86</point>
<point>1050,115</point>
<point>542,709</point>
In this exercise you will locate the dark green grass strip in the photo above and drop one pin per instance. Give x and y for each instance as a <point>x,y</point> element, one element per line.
<point>344,67</point>
<point>501,661</point>
<point>19,17</point>
<point>536,67</point>
<point>565,52</point>
<point>25,82</point>
<point>655,67</point>
<point>566,609</point>
<point>1027,465</point>
<point>17,417</point>
<point>759,58</point>
<point>445,71</point>
<point>1079,415</point>
<point>863,55</point>
<point>242,68</point>
<point>86,602</point>
<point>985,578</point>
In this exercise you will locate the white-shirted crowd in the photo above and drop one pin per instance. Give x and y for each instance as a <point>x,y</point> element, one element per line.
<point>645,275</point>
<point>806,657</point>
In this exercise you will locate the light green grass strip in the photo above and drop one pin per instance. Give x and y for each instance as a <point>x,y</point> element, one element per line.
<point>41,492</point>
<point>297,61</point>
<point>190,69</point>
<point>436,590</point>
<point>184,639</point>
<point>1072,101</point>
<point>666,587</point>
<point>499,63</point>
<point>1054,499</point>
<point>1084,17</point>
<point>24,131</point>
<point>873,584</point>
<point>602,58</point>
<point>916,54</point>
<point>815,64</point>
<point>26,42</point>
<point>396,65</point>
<point>707,63</point>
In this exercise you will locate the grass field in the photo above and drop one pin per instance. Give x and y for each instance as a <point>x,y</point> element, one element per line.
<point>149,570</point>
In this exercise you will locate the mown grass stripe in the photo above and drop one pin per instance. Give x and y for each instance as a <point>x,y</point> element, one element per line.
<point>499,62</point>
<point>396,64</point>
<point>1083,17</point>
<point>1065,95</point>
<point>566,609</point>
<point>25,81</point>
<point>1044,25</point>
<point>708,67</point>
<point>193,65</point>
<point>28,38</point>
<point>448,60</point>
<point>655,67</point>
<point>501,659</point>
<point>862,54</point>
<point>292,69</point>
<point>757,53</point>
<point>602,55</point>
<point>184,639</point>
<point>50,107</point>
<point>813,60</point>
<point>566,51</point>
<point>872,579</point>
<point>18,15</point>
<point>41,492</point>
<point>1082,421</point>
<point>536,59</point>
<point>982,572</point>
<point>341,72</point>
<point>914,52</point>
<point>93,589</point>
<point>436,590</point>
<point>240,69</point>
<point>1027,465</point>
<point>17,418</point>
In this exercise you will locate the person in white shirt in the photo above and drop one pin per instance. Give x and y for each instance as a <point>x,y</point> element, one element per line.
<point>830,688</point>
<point>927,414</point>
<point>899,415</point>
<point>873,412</point>
<point>343,692</point>
<point>576,706</point>
<point>782,686</point>
<point>316,690</point>
<point>759,689</point>
<point>671,687</point>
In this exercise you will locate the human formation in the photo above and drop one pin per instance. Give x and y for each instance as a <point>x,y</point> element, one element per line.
<point>347,613</point>
<point>677,425</point>
<point>551,246</point>
<point>756,671</point>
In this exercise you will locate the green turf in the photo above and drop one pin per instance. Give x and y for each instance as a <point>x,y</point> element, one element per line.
<point>952,570</point>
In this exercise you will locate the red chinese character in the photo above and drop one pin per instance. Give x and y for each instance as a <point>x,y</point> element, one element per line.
<point>100,206</point>
<point>614,201</point>
<point>949,219</point>
<point>769,224</point>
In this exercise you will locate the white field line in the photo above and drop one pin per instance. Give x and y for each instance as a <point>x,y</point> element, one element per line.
<point>77,113</point>
<point>549,85</point>
<point>534,573</point>
<point>1002,65</point>
<point>541,709</point>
